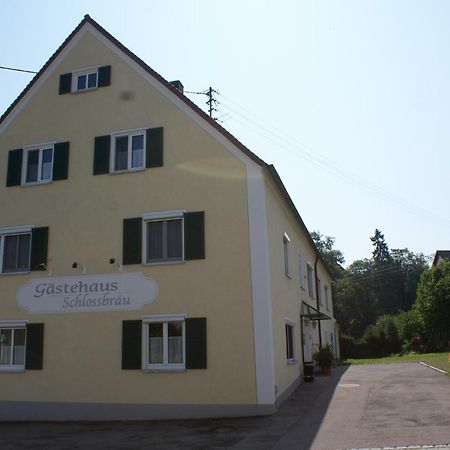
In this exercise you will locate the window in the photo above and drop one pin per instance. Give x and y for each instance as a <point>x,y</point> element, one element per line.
<point>85,80</point>
<point>286,241</point>
<point>163,237</point>
<point>15,248</point>
<point>128,151</point>
<point>319,291</point>
<point>309,273</point>
<point>21,346</point>
<point>164,343</point>
<point>327,302</point>
<point>302,271</point>
<point>38,165</point>
<point>12,347</point>
<point>290,350</point>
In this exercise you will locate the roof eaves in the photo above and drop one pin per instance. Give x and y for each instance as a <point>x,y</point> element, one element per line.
<point>276,178</point>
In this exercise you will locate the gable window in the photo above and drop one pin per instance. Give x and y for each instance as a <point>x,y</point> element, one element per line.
<point>38,165</point>
<point>290,350</point>
<point>286,241</point>
<point>128,151</point>
<point>21,345</point>
<point>309,275</point>
<point>85,80</point>
<point>22,249</point>
<point>164,343</point>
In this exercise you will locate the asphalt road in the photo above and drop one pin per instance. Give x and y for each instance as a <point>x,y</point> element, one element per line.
<point>370,406</point>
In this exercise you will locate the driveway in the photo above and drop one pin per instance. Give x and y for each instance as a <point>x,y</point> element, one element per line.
<point>382,405</point>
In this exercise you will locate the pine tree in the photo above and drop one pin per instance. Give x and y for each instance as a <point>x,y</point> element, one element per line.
<point>381,251</point>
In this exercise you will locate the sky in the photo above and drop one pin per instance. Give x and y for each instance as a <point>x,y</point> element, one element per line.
<point>348,99</point>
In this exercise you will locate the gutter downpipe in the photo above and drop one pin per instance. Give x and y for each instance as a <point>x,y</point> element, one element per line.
<point>317,297</point>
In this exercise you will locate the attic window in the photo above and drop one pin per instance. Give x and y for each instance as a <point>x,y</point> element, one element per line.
<point>85,80</point>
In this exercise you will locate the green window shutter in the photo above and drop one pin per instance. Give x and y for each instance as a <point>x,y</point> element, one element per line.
<point>154,147</point>
<point>34,346</point>
<point>39,244</point>
<point>104,76</point>
<point>194,235</point>
<point>196,343</point>
<point>101,154</point>
<point>132,344</point>
<point>132,241</point>
<point>65,83</point>
<point>61,161</point>
<point>14,167</point>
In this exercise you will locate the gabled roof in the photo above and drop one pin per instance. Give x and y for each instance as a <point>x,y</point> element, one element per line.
<point>444,254</point>
<point>269,168</point>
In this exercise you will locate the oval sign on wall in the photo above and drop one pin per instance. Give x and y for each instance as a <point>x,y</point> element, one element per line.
<point>87,293</point>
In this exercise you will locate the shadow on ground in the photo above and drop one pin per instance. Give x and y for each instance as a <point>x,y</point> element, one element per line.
<point>297,420</point>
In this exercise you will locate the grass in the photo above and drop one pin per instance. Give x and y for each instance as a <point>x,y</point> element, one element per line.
<point>439,360</point>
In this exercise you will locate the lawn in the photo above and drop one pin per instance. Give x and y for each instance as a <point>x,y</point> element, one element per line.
<point>439,360</point>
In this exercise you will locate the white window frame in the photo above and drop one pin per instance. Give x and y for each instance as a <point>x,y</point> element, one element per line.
<point>326,294</point>
<point>286,242</point>
<point>160,216</point>
<point>13,231</point>
<point>14,325</point>
<point>302,274</point>
<point>129,134</point>
<point>319,291</point>
<point>40,148</point>
<point>310,279</point>
<point>164,319</point>
<point>290,324</point>
<point>79,73</point>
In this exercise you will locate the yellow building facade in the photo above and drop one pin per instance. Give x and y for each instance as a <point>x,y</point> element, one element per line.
<point>150,265</point>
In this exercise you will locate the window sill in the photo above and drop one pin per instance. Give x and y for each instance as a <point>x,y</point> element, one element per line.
<point>36,183</point>
<point>119,172</point>
<point>164,369</point>
<point>291,362</point>
<point>163,263</point>
<point>80,91</point>
<point>24,272</point>
<point>14,369</point>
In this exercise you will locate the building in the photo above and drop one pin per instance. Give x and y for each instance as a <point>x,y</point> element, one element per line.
<point>151,265</point>
<point>440,255</point>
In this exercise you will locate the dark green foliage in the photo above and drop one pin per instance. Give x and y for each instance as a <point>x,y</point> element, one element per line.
<point>381,251</point>
<point>433,298</point>
<point>333,258</point>
<point>382,338</point>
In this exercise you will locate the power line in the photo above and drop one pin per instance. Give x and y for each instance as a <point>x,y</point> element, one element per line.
<point>211,102</point>
<point>304,151</point>
<point>17,70</point>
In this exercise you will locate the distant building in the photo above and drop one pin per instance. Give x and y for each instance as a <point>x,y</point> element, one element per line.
<point>440,256</point>
<point>151,266</point>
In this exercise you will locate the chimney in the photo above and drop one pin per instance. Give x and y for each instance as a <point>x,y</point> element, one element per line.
<point>178,85</point>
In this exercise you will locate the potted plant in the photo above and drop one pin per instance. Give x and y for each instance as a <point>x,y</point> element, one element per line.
<point>324,357</point>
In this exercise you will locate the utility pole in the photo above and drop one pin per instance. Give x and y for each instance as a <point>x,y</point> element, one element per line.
<point>211,102</point>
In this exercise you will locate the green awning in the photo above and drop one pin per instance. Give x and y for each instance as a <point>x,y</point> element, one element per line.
<point>311,313</point>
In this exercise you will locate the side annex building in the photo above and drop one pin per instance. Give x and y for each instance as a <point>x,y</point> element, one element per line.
<point>151,266</point>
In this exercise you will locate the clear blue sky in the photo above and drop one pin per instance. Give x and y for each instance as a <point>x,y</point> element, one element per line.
<point>349,100</point>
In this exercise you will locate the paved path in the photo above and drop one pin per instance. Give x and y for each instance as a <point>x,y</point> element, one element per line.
<point>358,407</point>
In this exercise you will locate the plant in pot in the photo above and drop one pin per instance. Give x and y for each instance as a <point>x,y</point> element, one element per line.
<point>324,357</point>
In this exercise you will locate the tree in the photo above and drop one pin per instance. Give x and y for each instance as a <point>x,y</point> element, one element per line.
<point>433,297</point>
<point>381,251</point>
<point>333,258</point>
